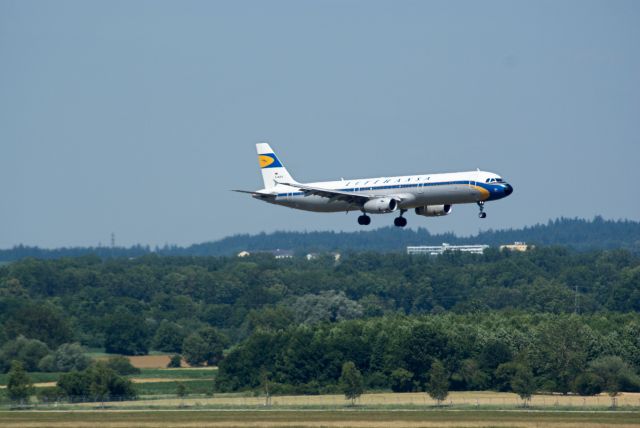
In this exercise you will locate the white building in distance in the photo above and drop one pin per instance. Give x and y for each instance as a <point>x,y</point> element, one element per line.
<point>436,250</point>
<point>516,246</point>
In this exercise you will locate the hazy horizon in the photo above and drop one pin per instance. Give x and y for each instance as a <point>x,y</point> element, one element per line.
<point>107,243</point>
<point>138,118</point>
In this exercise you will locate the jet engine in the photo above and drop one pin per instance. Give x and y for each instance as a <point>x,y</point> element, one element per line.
<point>380,205</point>
<point>434,210</point>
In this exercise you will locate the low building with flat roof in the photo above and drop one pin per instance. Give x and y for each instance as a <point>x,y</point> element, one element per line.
<point>436,250</point>
<point>516,246</point>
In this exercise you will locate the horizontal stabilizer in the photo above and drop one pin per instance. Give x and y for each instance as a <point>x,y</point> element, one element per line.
<point>255,194</point>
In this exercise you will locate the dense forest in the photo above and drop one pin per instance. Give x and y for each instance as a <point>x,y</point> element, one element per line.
<point>480,351</point>
<point>578,234</point>
<point>296,321</point>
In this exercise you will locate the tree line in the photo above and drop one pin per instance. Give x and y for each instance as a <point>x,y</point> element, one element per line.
<point>583,354</point>
<point>579,234</point>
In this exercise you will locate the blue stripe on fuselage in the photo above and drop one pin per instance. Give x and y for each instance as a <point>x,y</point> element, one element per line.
<point>496,191</point>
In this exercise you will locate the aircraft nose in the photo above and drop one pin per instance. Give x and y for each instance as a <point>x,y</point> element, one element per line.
<point>508,189</point>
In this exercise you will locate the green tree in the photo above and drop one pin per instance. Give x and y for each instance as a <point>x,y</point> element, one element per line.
<point>216,342</point>
<point>100,375</point>
<point>19,386</point>
<point>615,375</point>
<point>328,305</point>
<point>195,350</point>
<point>126,333</point>
<point>122,365</point>
<point>28,351</point>
<point>175,362</point>
<point>401,380</point>
<point>169,337</point>
<point>523,383</point>
<point>44,322</point>
<point>74,385</point>
<point>438,384</point>
<point>351,382</point>
<point>204,347</point>
<point>588,383</point>
<point>69,356</point>
<point>559,351</point>
<point>503,375</point>
<point>98,382</point>
<point>473,377</point>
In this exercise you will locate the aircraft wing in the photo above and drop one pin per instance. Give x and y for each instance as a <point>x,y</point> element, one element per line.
<point>334,195</point>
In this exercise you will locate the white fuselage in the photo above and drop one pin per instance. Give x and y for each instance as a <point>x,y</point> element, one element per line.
<point>413,191</point>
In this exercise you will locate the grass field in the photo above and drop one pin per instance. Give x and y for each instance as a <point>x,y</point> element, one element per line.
<point>456,400</point>
<point>343,419</point>
<point>169,388</point>
<point>184,373</point>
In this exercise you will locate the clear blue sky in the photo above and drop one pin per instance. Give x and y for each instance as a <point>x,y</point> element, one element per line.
<point>137,117</point>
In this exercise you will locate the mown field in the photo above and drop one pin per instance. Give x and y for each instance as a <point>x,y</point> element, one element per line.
<point>383,400</point>
<point>343,419</point>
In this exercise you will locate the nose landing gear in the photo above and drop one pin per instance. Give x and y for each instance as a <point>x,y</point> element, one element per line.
<point>481,214</point>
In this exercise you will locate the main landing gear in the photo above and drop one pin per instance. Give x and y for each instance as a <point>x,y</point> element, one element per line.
<point>481,214</point>
<point>364,220</point>
<point>400,221</point>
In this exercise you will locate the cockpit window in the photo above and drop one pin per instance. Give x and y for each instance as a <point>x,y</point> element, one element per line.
<point>487,180</point>
<point>499,180</point>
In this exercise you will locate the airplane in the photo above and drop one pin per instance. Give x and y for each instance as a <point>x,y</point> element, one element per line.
<point>429,195</point>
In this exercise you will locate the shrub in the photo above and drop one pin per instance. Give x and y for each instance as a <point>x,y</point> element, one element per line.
<point>175,362</point>
<point>401,380</point>
<point>588,384</point>
<point>122,366</point>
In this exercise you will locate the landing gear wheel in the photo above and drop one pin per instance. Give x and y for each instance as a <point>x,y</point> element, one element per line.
<point>364,220</point>
<point>400,221</point>
<point>481,214</point>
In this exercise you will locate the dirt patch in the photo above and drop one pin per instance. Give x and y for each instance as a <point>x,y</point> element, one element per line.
<point>148,361</point>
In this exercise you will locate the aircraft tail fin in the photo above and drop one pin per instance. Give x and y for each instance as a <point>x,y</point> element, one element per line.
<point>273,171</point>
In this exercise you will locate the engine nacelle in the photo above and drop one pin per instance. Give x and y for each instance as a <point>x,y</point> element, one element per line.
<point>380,205</point>
<point>434,210</point>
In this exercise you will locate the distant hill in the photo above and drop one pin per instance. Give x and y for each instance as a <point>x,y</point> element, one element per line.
<point>579,234</point>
